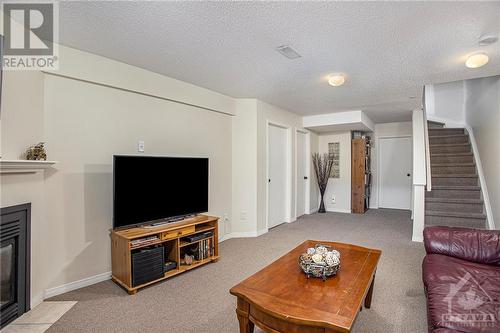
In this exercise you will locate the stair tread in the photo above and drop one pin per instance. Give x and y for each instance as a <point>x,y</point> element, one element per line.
<point>451,154</point>
<point>456,187</point>
<point>455,200</point>
<point>449,144</point>
<point>449,128</point>
<point>432,122</point>
<point>448,136</point>
<point>475,224</point>
<point>455,164</point>
<point>456,175</point>
<point>455,214</point>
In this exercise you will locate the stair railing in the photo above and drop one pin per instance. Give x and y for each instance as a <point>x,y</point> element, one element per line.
<point>428,173</point>
<point>421,169</point>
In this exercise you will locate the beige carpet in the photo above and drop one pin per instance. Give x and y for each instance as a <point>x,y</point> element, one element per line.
<point>199,301</point>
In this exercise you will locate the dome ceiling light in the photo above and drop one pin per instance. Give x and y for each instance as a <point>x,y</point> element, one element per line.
<point>477,60</point>
<point>336,80</point>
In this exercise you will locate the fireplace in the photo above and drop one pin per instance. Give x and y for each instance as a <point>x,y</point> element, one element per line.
<point>14,262</point>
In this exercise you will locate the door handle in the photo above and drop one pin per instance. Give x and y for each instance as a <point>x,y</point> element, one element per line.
<point>408,175</point>
<point>269,180</point>
<point>305,177</point>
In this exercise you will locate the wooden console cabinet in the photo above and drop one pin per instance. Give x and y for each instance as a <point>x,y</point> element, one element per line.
<point>170,236</point>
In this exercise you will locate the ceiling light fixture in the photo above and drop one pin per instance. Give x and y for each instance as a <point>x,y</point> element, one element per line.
<point>336,80</point>
<point>477,60</point>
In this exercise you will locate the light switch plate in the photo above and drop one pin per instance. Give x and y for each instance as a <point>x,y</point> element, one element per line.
<point>140,146</point>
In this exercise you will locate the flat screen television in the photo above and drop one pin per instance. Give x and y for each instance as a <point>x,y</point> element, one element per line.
<point>149,189</point>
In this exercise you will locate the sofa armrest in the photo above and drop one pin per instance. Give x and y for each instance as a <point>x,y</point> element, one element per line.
<point>480,246</point>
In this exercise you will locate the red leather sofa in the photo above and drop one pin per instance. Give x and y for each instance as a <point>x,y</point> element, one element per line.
<point>461,274</point>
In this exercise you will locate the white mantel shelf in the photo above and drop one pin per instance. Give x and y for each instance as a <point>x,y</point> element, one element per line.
<point>24,166</point>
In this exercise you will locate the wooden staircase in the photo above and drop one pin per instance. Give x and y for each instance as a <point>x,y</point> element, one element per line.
<point>455,199</point>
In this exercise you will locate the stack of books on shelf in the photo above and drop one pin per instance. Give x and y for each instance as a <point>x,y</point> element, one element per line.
<point>205,249</point>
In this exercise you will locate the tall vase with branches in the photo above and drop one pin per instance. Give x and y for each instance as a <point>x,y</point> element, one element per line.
<point>322,167</point>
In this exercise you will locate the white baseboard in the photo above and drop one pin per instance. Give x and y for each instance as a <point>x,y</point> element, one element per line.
<point>243,234</point>
<point>224,238</point>
<point>313,211</point>
<point>261,232</point>
<point>482,181</point>
<point>76,285</point>
<point>340,210</point>
<point>419,239</point>
<point>35,300</point>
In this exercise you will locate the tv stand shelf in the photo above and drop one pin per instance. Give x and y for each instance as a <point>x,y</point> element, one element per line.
<point>169,236</point>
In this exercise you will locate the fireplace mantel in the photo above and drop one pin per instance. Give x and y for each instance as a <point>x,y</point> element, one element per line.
<point>24,166</point>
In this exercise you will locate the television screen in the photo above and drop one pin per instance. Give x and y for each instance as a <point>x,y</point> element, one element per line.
<point>148,188</point>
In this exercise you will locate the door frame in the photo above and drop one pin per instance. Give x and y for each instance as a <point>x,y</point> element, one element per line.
<point>307,156</point>
<point>288,171</point>
<point>379,160</point>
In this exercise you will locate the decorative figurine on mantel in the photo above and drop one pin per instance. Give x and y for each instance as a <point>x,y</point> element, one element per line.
<point>36,152</point>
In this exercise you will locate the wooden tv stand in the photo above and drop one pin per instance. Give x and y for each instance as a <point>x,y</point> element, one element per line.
<point>170,236</point>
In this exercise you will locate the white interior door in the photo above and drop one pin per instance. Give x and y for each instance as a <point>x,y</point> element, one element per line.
<point>301,174</point>
<point>277,175</point>
<point>395,156</point>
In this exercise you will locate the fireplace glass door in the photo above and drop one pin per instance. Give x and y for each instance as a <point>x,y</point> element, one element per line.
<point>7,273</point>
<point>14,262</point>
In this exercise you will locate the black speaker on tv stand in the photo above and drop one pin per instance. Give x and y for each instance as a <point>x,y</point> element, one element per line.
<point>148,265</point>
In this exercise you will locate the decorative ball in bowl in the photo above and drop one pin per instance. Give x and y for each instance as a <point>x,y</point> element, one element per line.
<point>320,261</point>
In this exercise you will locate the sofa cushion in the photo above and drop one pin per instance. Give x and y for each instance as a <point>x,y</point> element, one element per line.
<point>481,246</point>
<point>461,295</point>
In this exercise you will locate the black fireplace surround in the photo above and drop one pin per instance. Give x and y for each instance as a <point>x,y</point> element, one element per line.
<point>14,262</point>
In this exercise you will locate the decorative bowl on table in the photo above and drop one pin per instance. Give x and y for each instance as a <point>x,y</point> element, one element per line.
<point>320,261</point>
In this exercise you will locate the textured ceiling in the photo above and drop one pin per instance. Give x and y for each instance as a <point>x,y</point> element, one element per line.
<point>387,50</point>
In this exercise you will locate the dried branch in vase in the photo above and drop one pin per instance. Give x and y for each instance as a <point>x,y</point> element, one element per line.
<point>322,167</point>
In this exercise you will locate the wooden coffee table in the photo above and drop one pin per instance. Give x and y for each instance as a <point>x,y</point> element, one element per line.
<point>280,298</point>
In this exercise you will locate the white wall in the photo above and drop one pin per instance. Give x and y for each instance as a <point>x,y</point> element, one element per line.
<point>84,124</point>
<point>419,175</point>
<point>385,130</point>
<point>244,148</point>
<point>313,184</point>
<point>483,116</point>
<point>338,187</point>
<point>22,125</point>
<point>73,63</point>
<point>446,103</point>
<point>22,116</point>
<point>269,113</point>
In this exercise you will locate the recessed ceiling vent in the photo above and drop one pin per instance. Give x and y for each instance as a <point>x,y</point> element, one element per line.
<point>485,40</point>
<point>288,52</point>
